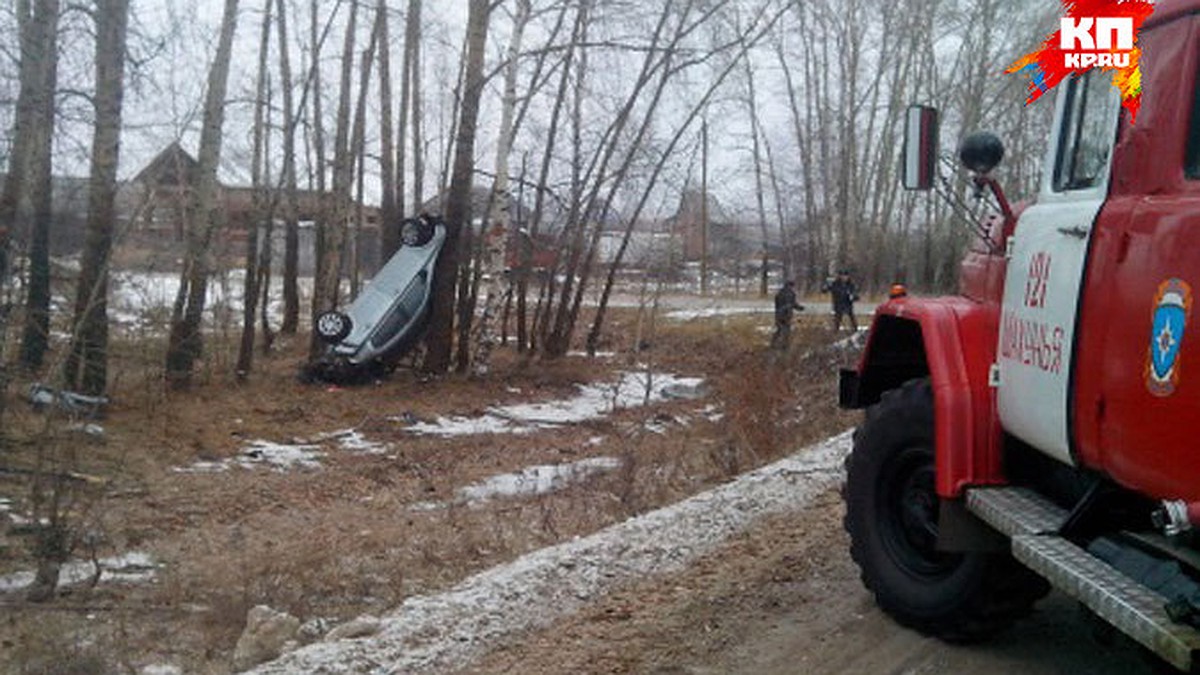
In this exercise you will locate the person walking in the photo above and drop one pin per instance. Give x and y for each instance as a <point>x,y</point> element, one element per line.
<point>785,306</point>
<point>843,293</point>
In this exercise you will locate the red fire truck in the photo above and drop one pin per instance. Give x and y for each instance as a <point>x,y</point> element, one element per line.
<point>1035,430</point>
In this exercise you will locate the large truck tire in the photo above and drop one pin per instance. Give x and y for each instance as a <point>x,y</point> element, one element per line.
<point>892,519</point>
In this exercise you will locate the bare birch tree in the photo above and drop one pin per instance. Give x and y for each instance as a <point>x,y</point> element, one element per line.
<point>291,231</point>
<point>86,365</point>
<point>260,209</point>
<point>332,230</point>
<point>39,78</point>
<point>495,249</point>
<point>389,213</point>
<point>185,343</point>
<point>439,338</point>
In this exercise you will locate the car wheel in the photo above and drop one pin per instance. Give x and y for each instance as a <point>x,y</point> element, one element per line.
<point>333,326</point>
<point>892,518</point>
<point>415,232</point>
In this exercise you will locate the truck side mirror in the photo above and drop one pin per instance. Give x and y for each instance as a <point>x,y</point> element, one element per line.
<point>920,147</point>
<point>981,152</point>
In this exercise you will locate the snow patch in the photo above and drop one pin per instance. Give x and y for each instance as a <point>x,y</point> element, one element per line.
<point>598,354</point>
<point>302,454</point>
<point>260,453</point>
<point>447,630</point>
<point>711,312</point>
<point>132,568</point>
<point>531,481</point>
<point>593,401</point>
<point>353,440</point>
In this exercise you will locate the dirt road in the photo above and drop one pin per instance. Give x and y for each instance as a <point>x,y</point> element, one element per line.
<point>785,598</point>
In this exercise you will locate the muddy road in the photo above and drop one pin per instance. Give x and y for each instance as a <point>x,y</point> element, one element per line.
<point>784,597</point>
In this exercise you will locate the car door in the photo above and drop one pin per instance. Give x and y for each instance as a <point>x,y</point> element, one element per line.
<point>1047,260</point>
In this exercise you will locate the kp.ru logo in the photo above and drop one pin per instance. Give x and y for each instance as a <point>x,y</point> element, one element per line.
<point>1092,34</point>
<point>1084,49</point>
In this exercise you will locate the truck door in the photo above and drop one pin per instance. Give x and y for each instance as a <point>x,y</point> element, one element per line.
<point>1045,271</point>
<point>1138,383</point>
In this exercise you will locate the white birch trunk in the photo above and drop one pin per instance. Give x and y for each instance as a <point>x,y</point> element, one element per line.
<point>496,283</point>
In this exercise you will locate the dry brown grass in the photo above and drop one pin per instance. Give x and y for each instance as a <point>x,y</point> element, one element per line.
<point>346,539</point>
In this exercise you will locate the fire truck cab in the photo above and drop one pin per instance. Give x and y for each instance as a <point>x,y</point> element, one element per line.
<point>1035,429</point>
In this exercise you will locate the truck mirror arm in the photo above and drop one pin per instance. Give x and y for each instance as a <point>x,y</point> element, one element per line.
<point>964,211</point>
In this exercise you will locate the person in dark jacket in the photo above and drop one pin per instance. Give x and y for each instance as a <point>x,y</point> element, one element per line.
<point>842,294</point>
<point>785,306</point>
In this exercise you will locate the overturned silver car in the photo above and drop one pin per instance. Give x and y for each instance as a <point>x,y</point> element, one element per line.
<point>388,317</point>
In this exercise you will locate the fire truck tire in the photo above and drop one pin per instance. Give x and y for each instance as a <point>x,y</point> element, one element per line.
<point>891,516</point>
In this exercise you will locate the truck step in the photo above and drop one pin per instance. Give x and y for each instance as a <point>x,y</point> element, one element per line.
<point>1015,511</point>
<point>1031,522</point>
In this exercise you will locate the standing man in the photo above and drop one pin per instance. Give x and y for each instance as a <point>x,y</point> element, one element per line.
<point>843,293</point>
<point>785,304</point>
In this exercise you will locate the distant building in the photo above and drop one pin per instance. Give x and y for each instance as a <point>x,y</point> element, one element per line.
<point>726,239</point>
<point>160,194</point>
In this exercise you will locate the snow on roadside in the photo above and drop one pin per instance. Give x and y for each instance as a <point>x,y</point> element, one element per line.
<point>710,312</point>
<point>450,629</point>
<point>592,401</point>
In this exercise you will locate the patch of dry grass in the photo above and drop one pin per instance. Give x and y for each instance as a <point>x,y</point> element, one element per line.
<point>346,539</point>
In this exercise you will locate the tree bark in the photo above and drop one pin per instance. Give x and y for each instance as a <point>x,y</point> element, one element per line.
<point>86,365</point>
<point>42,62</point>
<point>332,232</point>
<point>497,285</point>
<point>389,214</point>
<point>185,343</point>
<point>291,231</point>
<point>260,209</point>
<point>439,338</point>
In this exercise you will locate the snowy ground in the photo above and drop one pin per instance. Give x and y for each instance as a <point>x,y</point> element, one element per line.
<point>132,567</point>
<point>450,629</point>
<point>631,389</point>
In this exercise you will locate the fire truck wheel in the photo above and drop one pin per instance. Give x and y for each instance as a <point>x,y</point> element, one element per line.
<point>892,519</point>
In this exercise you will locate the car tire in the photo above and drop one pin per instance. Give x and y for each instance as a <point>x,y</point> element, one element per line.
<point>892,519</point>
<point>333,326</point>
<point>415,232</point>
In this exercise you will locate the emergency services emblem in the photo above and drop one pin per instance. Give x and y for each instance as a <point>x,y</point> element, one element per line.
<point>1172,307</point>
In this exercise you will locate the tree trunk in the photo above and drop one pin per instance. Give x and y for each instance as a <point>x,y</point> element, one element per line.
<point>526,329</point>
<point>358,153</point>
<point>291,232</point>
<point>332,232</point>
<point>497,285</point>
<point>86,366</point>
<point>43,68</point>
<point>439,338</point>
<point>185,343</point>
<point>759,198</point>
<point>412,36</point>
<point>389,214</point>
<point>259,211</point>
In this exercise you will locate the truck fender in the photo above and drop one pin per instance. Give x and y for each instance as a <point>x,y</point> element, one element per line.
<point>952,341</point>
